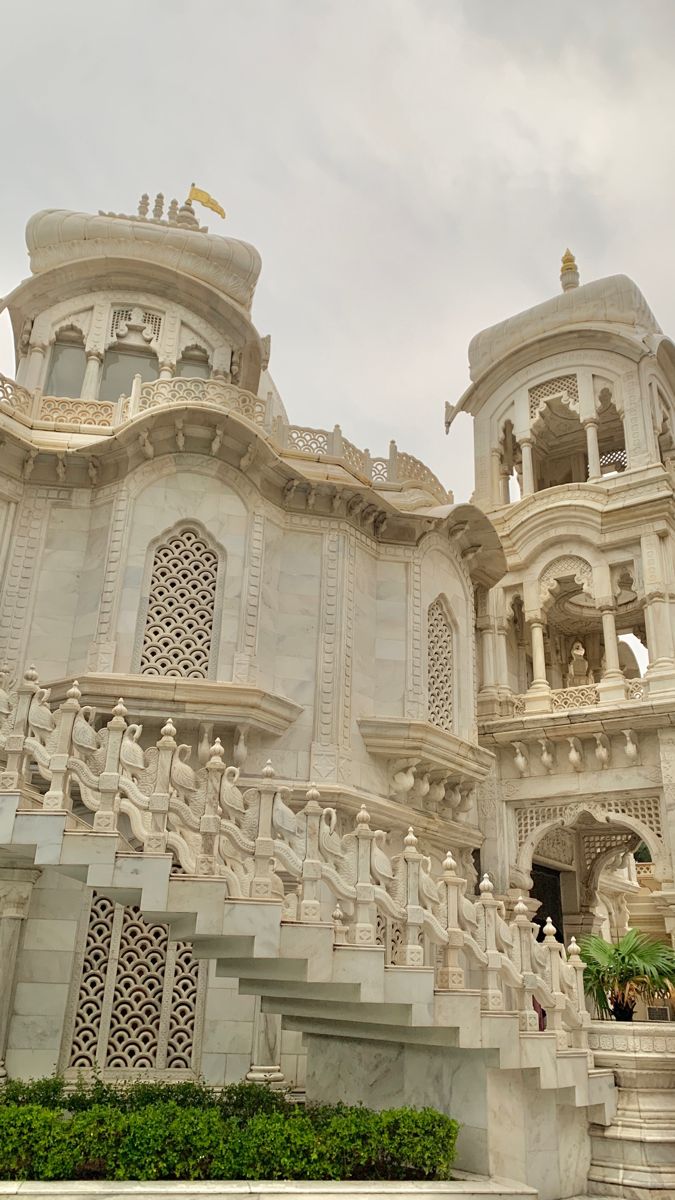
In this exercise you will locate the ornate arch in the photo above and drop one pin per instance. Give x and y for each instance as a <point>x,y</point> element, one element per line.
<point>560,568</point>
<point>534,822</point>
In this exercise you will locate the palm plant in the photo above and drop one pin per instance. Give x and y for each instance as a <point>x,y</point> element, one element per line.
<point>618,974</point>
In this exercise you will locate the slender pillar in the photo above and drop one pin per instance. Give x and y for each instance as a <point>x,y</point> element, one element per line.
<point>592,448</point>
<point>496,479</point>
<point>92,374</point>
<point>612,687</point>
<point>528,466</point>
<point>166,370</point>
<point>35,367</point>
<point>16,886</point>
<point>505,497</point>
<point>266,1050</point>
<point>538,697</point>
<point>661,670</point>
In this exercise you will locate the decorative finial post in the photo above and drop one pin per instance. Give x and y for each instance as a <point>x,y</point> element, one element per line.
<point>569,272</point>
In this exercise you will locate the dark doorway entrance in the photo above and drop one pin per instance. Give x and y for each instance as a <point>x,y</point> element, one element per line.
<point>546,887</point>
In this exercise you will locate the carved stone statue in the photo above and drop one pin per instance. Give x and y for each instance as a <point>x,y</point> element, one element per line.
<point>578,671</point>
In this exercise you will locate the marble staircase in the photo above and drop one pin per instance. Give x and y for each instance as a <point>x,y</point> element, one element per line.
<point>194,853</point>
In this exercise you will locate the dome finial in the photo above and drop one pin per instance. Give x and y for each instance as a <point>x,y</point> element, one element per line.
<point>569,272</point>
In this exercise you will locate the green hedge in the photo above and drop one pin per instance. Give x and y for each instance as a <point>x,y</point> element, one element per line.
<point>185,1131</point>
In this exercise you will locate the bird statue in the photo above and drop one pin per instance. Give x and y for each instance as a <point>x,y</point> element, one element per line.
<point>330,841</point>
<point>547,760</point>
<point>284,821</point>
<point>5,704</point>
<point>182,777</point>
<point>402,778</point>
<point>85,738</point>
<point>520,759</point>
<point>205,740</point>
<point>631,749</point>
<point>230,796</point>
<point>380,862</point>
<point>132,757</point>
<point>40,716</point>
<point>575,755</point>
<point>602,749</point>
<point>429,893</point>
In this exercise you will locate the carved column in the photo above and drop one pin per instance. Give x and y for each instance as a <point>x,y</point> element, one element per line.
<point>528,466</point>
<point>661,669</point>
<point>538,697</point>
<point>496,480</point>
<point>35,368</point>
<point>92,374</point>
<point>266,1050</point>
<point>592,448</point>
<point>16,886</point>
<point>612,686</point>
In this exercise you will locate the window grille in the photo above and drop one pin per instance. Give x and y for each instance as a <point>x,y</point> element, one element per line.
<point>439,666</point>
<point>138,995</point>
<point>179,622</point>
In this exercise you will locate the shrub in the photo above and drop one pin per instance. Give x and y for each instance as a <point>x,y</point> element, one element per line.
<point>186,1131</point>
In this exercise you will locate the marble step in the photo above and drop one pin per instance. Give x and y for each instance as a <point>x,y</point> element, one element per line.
<point>468,1187</point>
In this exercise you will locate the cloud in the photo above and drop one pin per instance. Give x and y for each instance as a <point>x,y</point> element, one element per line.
<point>410,170</point>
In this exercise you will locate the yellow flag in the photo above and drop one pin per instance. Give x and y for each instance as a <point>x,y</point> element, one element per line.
<point>203,197</point>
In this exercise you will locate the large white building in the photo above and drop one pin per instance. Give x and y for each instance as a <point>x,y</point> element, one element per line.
<point>444,693</point>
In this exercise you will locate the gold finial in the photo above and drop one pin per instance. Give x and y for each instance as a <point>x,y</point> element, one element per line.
<point>569,272</point>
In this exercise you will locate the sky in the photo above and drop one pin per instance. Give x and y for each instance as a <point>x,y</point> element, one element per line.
<point>410,170</point>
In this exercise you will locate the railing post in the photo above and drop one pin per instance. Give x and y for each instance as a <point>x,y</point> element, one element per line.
<point>337,445</point>
<point>310,907</point>
<point>522,926</point>
<point>105,818</point>
<point>411,953</point>
<point>491,997</point>
<point>450,977</point>
<point>135,397</point>
<point>392,469</point>
<point>154,841</point>
<point>365,915</point>
<point>209,824</point>
<point>577,963</point>
<point>367,464</point>
<point>15,772</point>
<point>554,1017</point>
<point>58,796</point>
<point>263,857</point>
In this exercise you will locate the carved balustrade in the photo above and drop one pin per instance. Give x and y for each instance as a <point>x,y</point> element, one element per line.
<point>585,696</point>
<point>398,468</point>
<point>262,847</point>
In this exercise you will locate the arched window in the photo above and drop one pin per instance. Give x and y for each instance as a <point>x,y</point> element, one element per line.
<point>178,632</point>
<point>439,666</point>
<point>193,364</point>
<point>119,368</point>
<point>67,365</point>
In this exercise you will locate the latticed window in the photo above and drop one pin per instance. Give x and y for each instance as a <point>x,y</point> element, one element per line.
<point>439,666</point>
<point>138,995</point>
<point>182,592</point>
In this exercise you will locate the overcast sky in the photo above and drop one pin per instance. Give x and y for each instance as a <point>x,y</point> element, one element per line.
<point>410,170</point>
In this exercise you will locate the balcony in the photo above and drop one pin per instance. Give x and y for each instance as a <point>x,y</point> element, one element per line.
<point>68,415</point>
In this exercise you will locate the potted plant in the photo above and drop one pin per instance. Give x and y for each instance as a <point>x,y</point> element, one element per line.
<point>618,974</point>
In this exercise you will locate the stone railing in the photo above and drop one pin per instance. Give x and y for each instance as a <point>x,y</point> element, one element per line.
<point>584,696</point>
<point>194,391</point>
<point>565,699</point>
<point>14,397</point>
<point>61,411</point>
<point>644,870</point>
<point>398,468</point>
<point>260,847</point>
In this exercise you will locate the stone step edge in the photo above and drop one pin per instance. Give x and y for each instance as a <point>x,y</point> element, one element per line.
<point>464,1185</point>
